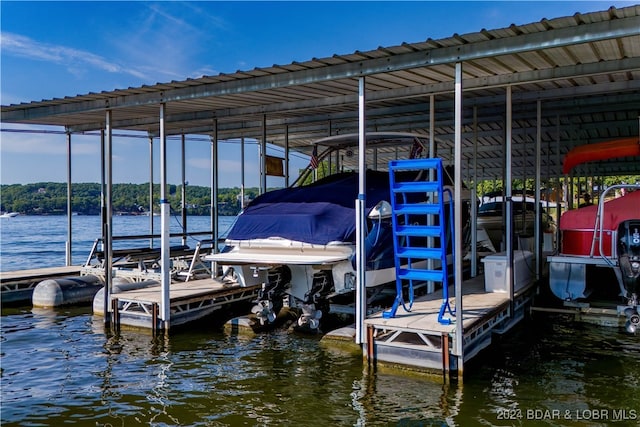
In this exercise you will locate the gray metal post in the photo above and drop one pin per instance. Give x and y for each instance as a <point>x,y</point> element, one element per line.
<point>164,225</point>
<point>151,190</point>
<point>263,157</point>
<point>108,238</point>
<point>242,173</point>
<point>432,153</point>
<point>69,245</point>
<point>103,192</point>
<point>286,156</point>
<point>183,203</point>
<point>474,198</point>
<point>457,244</point>
<point>361,287</point>
<point>537,229</point>
<point>558,193</point>
<point>214,191</point>
<point>509,206</point>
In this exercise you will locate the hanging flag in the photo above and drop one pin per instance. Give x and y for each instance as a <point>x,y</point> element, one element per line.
<point>314,158</point>
<point>275,166</point>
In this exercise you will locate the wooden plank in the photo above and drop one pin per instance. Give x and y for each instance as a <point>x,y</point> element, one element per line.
<point>182,290</point>
<point>40,273</point>
<point>423,317</point>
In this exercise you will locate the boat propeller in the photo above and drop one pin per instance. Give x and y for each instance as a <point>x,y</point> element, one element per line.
<point>633,319</point>
<point>264,312</point>
<point>310,317</point>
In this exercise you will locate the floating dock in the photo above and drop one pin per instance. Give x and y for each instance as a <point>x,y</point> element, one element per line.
<point>416,340</point>
<point>17,286</point>
<point>189,301</point>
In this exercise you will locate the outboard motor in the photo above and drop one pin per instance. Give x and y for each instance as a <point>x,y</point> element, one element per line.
<point>629,261</point>
<point>269,302</point>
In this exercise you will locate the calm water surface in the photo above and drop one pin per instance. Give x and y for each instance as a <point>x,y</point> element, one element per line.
<point>61,367</point>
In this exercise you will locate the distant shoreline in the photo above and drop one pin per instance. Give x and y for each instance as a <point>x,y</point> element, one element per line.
<point>50,198</point>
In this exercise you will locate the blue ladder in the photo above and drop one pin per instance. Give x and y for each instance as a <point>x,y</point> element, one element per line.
<point>416,202</point>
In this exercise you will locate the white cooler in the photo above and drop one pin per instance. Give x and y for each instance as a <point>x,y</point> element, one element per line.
<point>495,271</point>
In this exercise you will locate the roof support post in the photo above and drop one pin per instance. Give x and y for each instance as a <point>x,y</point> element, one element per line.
<point>361,285</point>
<point>183,203</point>
<point>457,208</point>
<point>242,173</point>
<point>107,238</point>
<point>151,190</point>
<point>164,225</point>
<point>263,156</point>
<point>537,228</point>
<point>432,153</point>
<point>68,251</point>
<point>214,191</point>
<point>509,206</point>
<point>474,205</point>
<point>103,192</point>
<point>286,155</point>
<point>559,192</point>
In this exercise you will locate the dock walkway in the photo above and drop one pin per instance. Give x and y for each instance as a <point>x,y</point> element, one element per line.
<point>17,286</point>
<point>189,301</point>
<point>416,339</point>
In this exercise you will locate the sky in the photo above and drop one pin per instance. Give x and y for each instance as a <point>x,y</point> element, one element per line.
<point>55,49</point>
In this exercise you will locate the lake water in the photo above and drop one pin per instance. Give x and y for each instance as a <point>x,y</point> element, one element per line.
<point>61,367</point>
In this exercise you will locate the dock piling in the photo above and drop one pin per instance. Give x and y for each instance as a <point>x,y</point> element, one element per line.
<point>115,312</point>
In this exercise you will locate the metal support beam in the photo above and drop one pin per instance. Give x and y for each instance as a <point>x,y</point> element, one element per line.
<point>108,214</point>
<point>361,286</point>
<point>537,228</point>
<point>164,227</point>
<point>263,156</point>
<point>474,205</point>
<point>432,154</point>
<point>183,194</point>
<point>214,191</point>
<point>242,173</point>
<point>457,246</point>
<point>286,156</point>
<point>509,205</point>
<point>69,245</point>
<point>151,190</point>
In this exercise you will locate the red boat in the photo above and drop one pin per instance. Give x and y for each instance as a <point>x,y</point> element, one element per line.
<point>603,235</point>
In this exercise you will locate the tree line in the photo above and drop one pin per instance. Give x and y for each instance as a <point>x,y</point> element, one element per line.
<point>50,198</point>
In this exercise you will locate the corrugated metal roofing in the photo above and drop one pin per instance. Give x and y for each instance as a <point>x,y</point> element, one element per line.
<point>584,68</point>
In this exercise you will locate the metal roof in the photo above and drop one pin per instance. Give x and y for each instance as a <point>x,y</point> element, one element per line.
<point>584,69</point>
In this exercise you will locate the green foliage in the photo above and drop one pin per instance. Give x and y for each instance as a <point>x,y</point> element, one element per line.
<point>321,172</point>
<point>50,198</point>
<point>487,186</point>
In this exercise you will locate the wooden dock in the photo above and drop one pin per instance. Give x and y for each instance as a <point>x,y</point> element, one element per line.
<point>417,340</point>
<point>189,301</point>
<point>17,286</point>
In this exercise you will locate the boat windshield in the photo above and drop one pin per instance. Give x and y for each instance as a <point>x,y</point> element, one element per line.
<point>339,153</point>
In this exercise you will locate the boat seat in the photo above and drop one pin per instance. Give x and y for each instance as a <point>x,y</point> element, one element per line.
<point>144,254</point>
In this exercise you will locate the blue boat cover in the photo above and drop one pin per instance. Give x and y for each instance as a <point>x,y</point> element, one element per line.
<point>319,213</point>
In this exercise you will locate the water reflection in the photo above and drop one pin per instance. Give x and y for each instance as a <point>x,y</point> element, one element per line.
<point>404,400</point>
<point>63,367</point>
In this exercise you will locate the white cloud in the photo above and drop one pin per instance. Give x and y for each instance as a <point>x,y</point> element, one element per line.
<point>75,60</point>
<point>42,144</point>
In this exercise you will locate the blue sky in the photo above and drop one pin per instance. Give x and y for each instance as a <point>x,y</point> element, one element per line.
<point>57,49</point>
